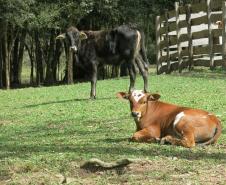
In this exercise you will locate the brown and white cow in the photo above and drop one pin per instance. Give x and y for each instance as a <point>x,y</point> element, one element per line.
<point>168,123</point>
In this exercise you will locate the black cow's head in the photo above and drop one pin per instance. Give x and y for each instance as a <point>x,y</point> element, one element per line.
<point>73,36</point>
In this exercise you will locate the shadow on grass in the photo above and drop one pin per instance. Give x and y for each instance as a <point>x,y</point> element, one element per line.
<point>116,140</point>
<point>23,151</point>
<point>71,100</point>
<point>53,142</point>
<point>65,129</point>
<point>201,73</point>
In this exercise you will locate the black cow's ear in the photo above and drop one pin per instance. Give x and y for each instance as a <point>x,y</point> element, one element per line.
<point>122,95</point>
<point>153,97</point>
<point>61,36</point>
<point>82,35</point>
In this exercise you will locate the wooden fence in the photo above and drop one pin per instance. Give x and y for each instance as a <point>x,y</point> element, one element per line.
<point>188,36</point>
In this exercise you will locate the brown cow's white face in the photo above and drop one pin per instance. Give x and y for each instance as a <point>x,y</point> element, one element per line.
<point>138,101</point>
<point>137,95</point>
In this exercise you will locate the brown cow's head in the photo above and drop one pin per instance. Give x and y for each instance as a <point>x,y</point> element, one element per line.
<point>138,101</point>
<point>73,37</point>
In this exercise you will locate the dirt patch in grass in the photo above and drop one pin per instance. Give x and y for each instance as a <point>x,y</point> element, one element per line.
<point>5,122</point>
<point>41,177</point>
<point>172,171</point>
<point>158,171</point>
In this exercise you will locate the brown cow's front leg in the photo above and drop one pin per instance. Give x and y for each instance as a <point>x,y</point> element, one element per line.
<point>145,135</point>
<point>186,141</point>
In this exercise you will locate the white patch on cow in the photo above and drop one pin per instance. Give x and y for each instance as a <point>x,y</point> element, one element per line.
<point>137,95</point>
<point>138,42</point>
<point>178,118</point>
<point>74,48</point>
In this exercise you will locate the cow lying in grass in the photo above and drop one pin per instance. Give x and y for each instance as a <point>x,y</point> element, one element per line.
<point>168,123</point>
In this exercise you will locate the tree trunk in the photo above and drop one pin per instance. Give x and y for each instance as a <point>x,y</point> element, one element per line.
<point>2,57</point>
<point>70,67</point>
<point>56,59</point>
<point>17,57</point>
<point>64,79</point>
<point>6,59</point>
<point>38,60</point>
<point>30,51</point>
<point>49,58</point>
<point>1,64</point>
<point>21,56</point>
<point>14,65</point>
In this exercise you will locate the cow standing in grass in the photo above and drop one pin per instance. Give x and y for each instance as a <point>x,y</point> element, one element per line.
<point>159,121</point>
<point>96,48</point>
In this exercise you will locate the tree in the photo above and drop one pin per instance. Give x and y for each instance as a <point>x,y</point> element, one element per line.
<point>12,14</point>
<point>34,24</point>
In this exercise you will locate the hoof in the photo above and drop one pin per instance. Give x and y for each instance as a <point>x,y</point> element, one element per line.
<point>162,141</point>
<point>165,140</point>
<point>92,97</point>
<point>131,139</point>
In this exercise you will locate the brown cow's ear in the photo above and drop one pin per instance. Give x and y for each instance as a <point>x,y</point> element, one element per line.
<point>122,95</point>
<point>153,97</point>
<point>61,36</point>
<point>82,35</point>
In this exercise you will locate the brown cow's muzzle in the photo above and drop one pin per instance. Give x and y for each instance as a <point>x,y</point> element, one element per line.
<point>136,114</point>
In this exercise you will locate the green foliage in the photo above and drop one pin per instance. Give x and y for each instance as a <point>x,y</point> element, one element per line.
<point>45,16</point>
<point>54,129</point>
<point>17,12</point>
<point>87,14</point>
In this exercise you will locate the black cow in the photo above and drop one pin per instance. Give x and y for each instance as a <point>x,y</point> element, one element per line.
<point>95,48</point>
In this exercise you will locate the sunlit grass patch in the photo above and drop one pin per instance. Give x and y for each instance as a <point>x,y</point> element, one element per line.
<point>58,128</point>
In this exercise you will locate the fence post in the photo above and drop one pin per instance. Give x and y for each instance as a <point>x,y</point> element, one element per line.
<point>224,36</point>
<point>167,41</point>
<point>210,33</point>
<point>178,31</point>
<point>158,52</point>
<point>190,46</point>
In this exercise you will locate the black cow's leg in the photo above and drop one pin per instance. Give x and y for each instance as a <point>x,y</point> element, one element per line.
<point>143,51</point>
<point>144,72</point>
<point>93,82</point>
<point>132,74</point>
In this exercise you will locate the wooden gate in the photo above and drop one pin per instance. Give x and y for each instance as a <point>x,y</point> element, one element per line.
<point>191,35</point>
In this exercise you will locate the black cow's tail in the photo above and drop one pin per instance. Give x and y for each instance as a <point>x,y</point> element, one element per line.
<point>143,50</point>
<point>215,137</point>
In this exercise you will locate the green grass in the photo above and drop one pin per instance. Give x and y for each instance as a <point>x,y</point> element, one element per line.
<point>49,131</point>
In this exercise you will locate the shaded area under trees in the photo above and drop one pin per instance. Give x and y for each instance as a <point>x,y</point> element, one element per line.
<point>29,27</point>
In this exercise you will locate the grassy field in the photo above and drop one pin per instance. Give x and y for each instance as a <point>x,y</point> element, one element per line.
<point>47,133</point>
